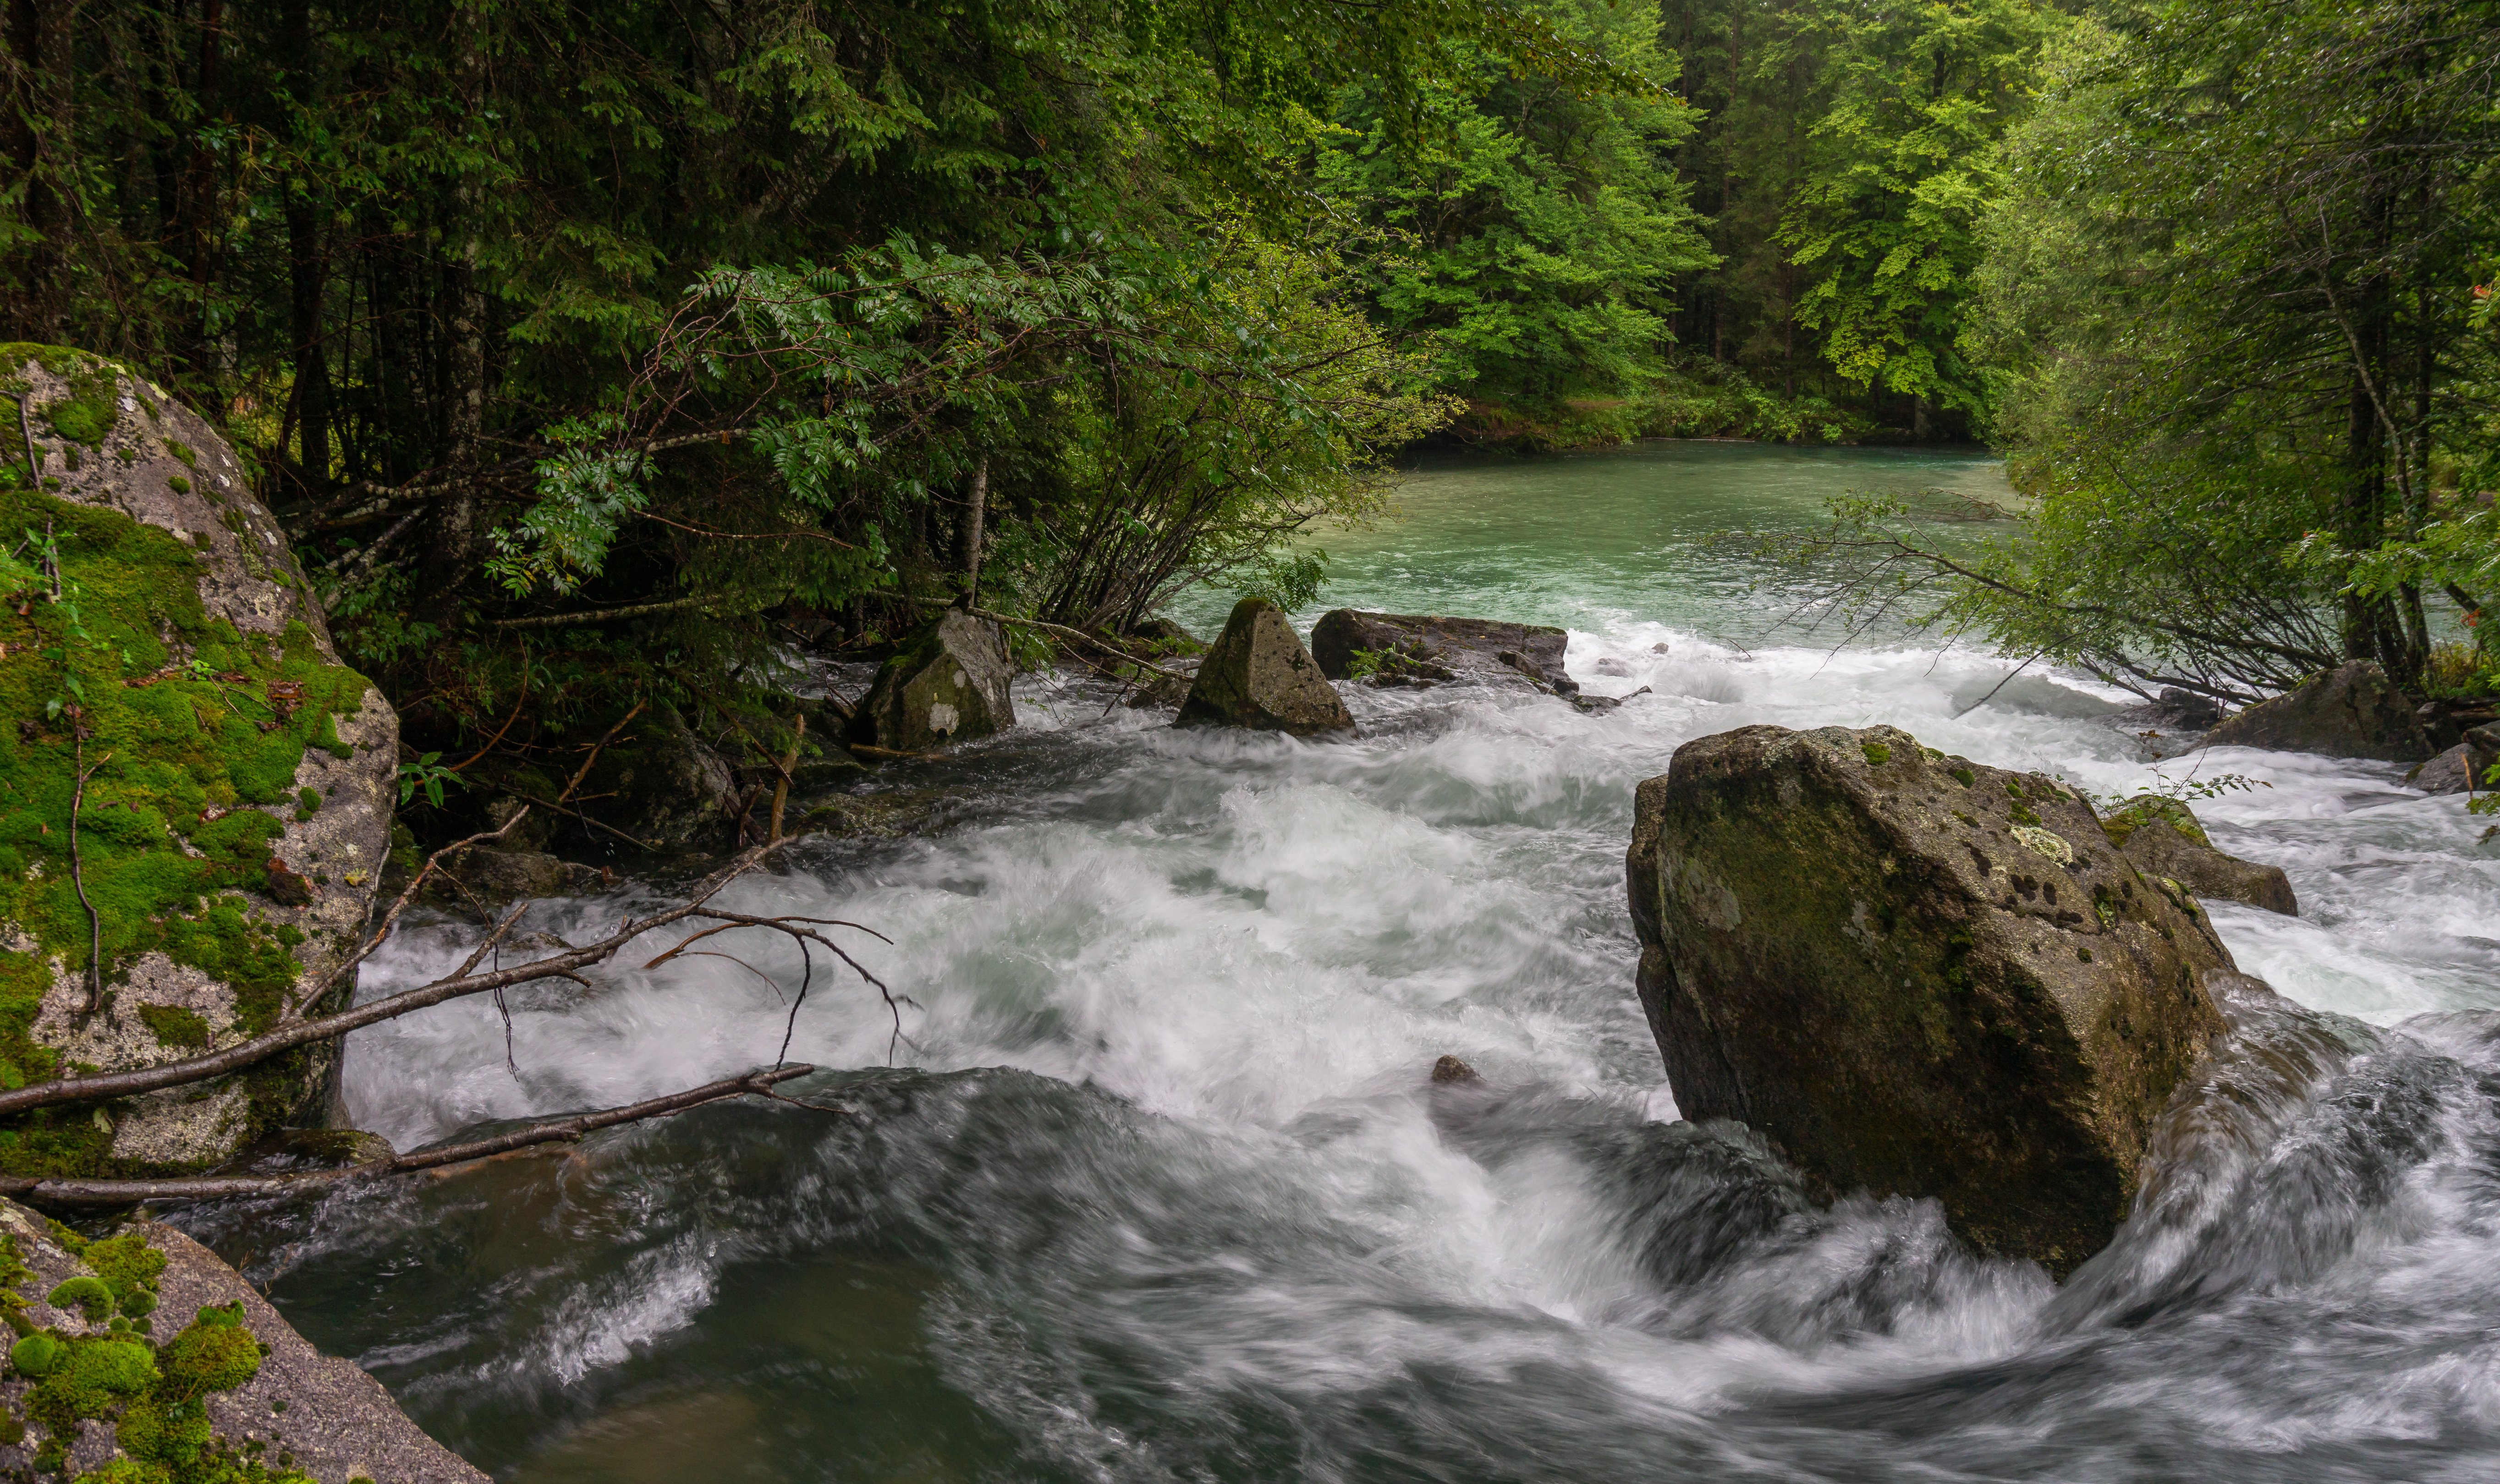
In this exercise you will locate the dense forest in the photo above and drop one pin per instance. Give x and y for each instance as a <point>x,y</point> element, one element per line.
<point>593,354</point>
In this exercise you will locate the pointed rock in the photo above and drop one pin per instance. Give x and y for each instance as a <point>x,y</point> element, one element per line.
<point>2350,711</point>
<point>949,685</point>
<point>1258,676</point>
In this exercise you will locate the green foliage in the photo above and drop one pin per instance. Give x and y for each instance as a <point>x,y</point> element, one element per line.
<point>1531,233</point>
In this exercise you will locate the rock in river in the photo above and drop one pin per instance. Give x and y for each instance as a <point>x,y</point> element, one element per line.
<point>1916,975</point>
<point>1405,648</point>
<point>2350,711</point>
<point>2162,837</point>
<point>182,714</point>
<point>949,685</point>
<point>1258,675</point>
<point>145,1347</point>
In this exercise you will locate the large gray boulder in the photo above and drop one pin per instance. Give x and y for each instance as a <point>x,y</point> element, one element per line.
<point>2350,711</point>
<point>235,816</point>
<point>159,1354</point>
<point>2163,839</point>
<point>949,685</point>
<point>1402,648</point>
<point>1916,975</point>
<point>2462,768</point>
<point>1258,676</point>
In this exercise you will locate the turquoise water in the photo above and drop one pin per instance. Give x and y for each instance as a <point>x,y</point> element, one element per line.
<point>1153,1189</point>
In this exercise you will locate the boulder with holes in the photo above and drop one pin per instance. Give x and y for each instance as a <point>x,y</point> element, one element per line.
<point>1916,975</point>
<point>949,685</point>
<point>200,792</point>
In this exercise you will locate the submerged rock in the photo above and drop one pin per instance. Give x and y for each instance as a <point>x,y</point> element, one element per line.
<point>1400,648</point>
<point>949,685</point>
<point>239,779</point>
<point>147,1347</point>
<point>2350,711</point>
<point>2162,837</point>
<point>1916,975</point>
<point>1258,676</point>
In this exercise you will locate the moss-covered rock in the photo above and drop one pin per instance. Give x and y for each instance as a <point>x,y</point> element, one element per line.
<point>2350,711</point>
<point>947,684</point>
<point>1258,675</point>
<point>145,1360</point>
<point>2162,837</point>
<point>1916,975</point>
<point>157,642</point>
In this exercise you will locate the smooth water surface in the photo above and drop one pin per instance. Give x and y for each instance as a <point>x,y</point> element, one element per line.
<point>1155,1189</point>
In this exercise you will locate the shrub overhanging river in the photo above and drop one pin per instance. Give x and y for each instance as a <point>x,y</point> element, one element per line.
<point>1154,1188</point>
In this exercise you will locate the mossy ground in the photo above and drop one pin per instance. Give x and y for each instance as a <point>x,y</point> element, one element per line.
<point>192,733</point>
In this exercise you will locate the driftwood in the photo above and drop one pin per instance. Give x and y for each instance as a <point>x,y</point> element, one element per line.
<point>40,1191</point>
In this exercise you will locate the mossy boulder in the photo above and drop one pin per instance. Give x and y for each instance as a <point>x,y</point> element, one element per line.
<point>1258,675</point>
<point>1916,975</point>
<point>166,1368</point>
<point>2350,711</point>
<point>949,685</point>
<point>158,644</point>
<point>1402,648</point>
<point>2162,838</point>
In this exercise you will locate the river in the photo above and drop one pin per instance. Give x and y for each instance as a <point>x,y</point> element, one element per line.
<point>1150,1185</point>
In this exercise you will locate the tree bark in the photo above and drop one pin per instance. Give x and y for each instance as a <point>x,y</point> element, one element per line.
<point>40,117</point>
<point>968,533</point>
<point>307,268</point>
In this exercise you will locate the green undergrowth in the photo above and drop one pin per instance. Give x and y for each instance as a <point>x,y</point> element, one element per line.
<point>190,734</point>
<point>153,1395</point>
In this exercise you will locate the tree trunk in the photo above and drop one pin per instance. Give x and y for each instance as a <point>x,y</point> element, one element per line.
<point>969,533</point>
<point>38,127</point>
<point>308,270</point>
<point>456,551</point>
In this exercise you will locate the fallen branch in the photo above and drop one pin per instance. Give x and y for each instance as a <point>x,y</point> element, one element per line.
<point>103,1085</point>
<point>78,875</point>
<point>40,1191</point>
<point>1078,634</point>
<point>608,615</point>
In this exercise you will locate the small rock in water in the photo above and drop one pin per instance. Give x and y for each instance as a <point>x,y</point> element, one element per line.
<point>1658,648</point>
<point>1449,1069</point>
<point>2352,711</point>
<point>1610,665</point>
<point>1258,676</point>
<point>2162,837</point>
<point>949,685</point>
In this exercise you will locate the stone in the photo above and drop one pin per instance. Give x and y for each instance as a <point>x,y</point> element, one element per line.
<point>661,784</point>
<point>236,822</point>
<point>2163,838</point>
<point>2463,769</point>
<point>317,1414</point>
<point>949,685</point>
<point>2350,711</point>
<point>494,876</point>
<point>1449,1069</point>
<point>1258,675</point>
<point>1916,975</point>
<point>1404,649</point>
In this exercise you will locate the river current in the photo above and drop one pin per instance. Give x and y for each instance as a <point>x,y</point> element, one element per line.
<point>1150,1184</point>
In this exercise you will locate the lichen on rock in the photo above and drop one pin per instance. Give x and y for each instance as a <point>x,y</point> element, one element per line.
<point>168,694</point>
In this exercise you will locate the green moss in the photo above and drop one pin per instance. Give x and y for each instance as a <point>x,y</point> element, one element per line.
<point>187,747</point>
<point>37,1355</point>
<point>208,1357</point>
<point>2153,809</point>
<point>1963,776</point>
<point>87,1294</point>
<point>183,451</point>
<point>176,1026</point>
<point>1877,754</point>
<point>178,485</point>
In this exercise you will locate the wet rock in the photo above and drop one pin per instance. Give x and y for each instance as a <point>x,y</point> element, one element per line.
<point>1916,975</point>
<point>2350,711</point>
<point>1258,675</point>
<point>491,877</point>
<point>2462,768</point>
<point>662,785</point>
<point>1449,1069</point>
<point>1399,647</point>
<point>278,1400</point>
<point>238,812</point>
<point>2162,838</point>
<point>947,684</point>
<point>2446,720</point>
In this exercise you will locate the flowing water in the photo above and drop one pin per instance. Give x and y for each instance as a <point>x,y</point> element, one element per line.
<point>1151,1186</point>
